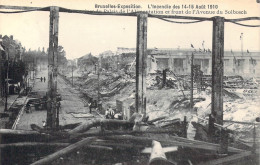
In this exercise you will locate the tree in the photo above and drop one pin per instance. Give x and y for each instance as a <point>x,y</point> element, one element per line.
<point>61,56</point>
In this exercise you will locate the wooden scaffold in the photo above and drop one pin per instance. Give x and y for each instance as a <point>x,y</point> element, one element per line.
<point>108,140</point>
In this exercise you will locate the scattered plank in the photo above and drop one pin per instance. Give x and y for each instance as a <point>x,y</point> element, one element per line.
<point>48,159</point>
<point>157,119</point>
<point>119,145</point>
<point>53,133</point>
<point>98,122</point>
<point>33,144</point>
<point>176,141</point>
<point>117,132</point>
<point>17,132</point>
<point>241,122</point>
<point>99,147</point>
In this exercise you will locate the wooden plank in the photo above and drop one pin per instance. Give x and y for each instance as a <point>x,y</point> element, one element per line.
<point>17,132</point>
<point>241,122</point>
<point>228,159</point>
<point>217,70</point>
<point>176,141</point>
<point>141,63</point>
<point>33,144</point>
<point>48,159</point>
<point>98,122</point>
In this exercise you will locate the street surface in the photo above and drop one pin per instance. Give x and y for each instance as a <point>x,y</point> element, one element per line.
<point>71,104</point>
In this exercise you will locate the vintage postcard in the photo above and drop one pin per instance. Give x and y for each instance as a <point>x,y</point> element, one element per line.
<point>127,82</point>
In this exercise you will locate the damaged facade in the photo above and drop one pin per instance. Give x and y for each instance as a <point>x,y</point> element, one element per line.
<point>178,61</point>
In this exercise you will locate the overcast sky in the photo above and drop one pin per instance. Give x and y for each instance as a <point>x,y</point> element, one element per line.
<point>80,34</point>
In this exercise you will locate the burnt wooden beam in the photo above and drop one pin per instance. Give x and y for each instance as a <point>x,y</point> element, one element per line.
<point>17,132</point>
<point>52,68</point>
<point>71,148</point>
<point>217,81</point>
<point>141,63</point>
<point>191,81</point>
<point>173,140</point>
<point>99,122</point>
<point>33,144</point>
<point>217,70</point>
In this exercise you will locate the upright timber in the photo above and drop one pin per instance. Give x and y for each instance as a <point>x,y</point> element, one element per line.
<point>141,63</point>
<point>52,114</point>
<point>217,70</point>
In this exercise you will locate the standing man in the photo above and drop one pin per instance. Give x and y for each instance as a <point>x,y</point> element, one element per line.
<point>107,114</point>
<point>111,113</point>
<point>41,79</point>
<point>44,79</point>
<point>90,105</point>
<point>58,105</point>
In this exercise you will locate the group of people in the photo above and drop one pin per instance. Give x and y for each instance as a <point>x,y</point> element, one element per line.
<point>92,104</point>
<point>43,79</point>
<point>110,114</point>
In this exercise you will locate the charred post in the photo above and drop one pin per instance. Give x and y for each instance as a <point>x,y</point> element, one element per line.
<point>217,70</point>
<point>164,78</point>
<point>141,63</point>
<point>52,68</point>
<point>191,81</point>
<point>217,78</point>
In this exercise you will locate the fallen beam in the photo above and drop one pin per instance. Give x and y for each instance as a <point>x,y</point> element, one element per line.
<point>48,159</point>
<point>33,144</point>
<point>175,141</point>
<point>17,132</point>
<point>98,147</point>
<point>98,122</point>
<point>241,122</point>
<point>119,145</point>
<point>157,119</point>
<point>116,132</point>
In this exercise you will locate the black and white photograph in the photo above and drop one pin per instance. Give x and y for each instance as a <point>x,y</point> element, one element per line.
<point>127,82</point>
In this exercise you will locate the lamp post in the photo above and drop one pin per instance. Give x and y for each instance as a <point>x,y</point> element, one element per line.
<point>191,91</point>
<point>7,79</point>
<point>72,75</point>
<point>98,99</point>
<point>241,38</point>
<point>95,68</point>
<point>7,83</point>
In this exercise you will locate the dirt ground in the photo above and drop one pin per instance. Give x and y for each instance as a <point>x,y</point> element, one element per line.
<point>71,103</point>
